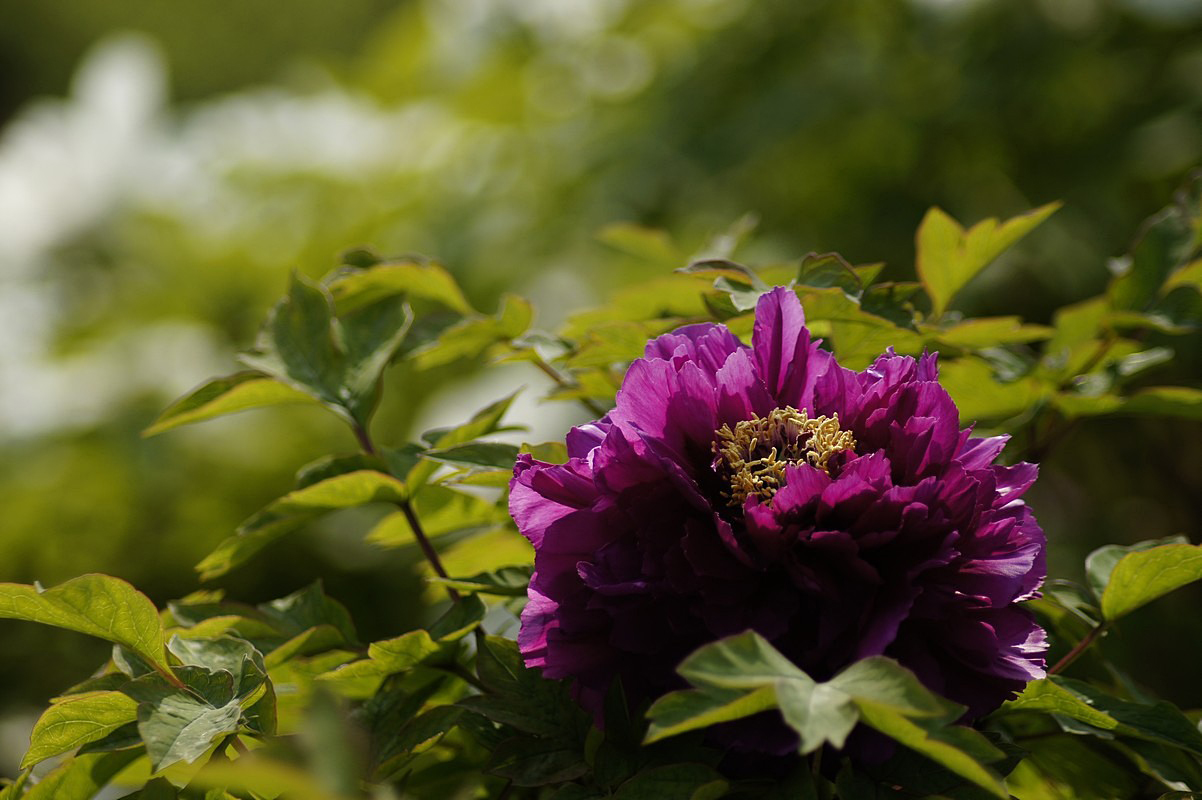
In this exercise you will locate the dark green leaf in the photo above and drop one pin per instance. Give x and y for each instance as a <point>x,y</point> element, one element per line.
<point>827,270</point>
<point>414,737</point>
<point>484,422</point>
<point>460,619</point>
<point>297,344</point>
<point>370,337</point>
<point>1157,722</point>
<point>507,581</point>
<point>310,608</point>
<point>479,454</point>
<point>685,781</point>
<point>537,762</point>
<point>180,727</point>
<point>1167,242</point>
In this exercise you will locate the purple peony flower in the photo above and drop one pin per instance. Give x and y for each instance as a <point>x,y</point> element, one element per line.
<point>839,514</point>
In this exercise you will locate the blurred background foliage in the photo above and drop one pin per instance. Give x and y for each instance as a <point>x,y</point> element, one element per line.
<point>163,168</point>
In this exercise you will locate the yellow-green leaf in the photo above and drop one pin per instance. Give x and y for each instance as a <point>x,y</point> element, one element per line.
<point>291,511</point>
<point>76,720</point>
<point>360,288</point>
<point>240,392</point>
<point>98,605</point>
<point>1048,696</point>
<point>949,256</point>
<point>1145,575</point>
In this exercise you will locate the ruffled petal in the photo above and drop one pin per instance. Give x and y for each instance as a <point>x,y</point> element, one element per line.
<point>787,361</point>
<point>705,344</point>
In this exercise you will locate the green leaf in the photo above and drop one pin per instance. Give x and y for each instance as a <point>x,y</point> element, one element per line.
<point>385,658</point>
<point>692,709</point>
<point>477,454</point>
<point>297,344</point>
<point>463,617</point>
<point>506,582</point>
<point>745,674</point>
<point>264,777</point>
<point>949,256</point>
<point>825,270</point>
<point>1143,576</point>
<point>414,737</point>
<point>81,777</point>
<point>521,697</point>
<point>294,509</point>
<point>180,727</point>
<point>1101,562</point>
<point>405,652</point>
<point>1050,697</point>
<point>745,661</point>
<point>886,683</point>
<point>98,605</point>
<point>369,337</point>
<point>529,761</point>
<point>308,609</point>
<point>441,510</point>
<point>338,361</point>
<point>475,336</point>
<point>1167,242</point>
<point>1156,722</point>
<point>980,395</point>
<point>355,288</point>
<point>236,656</point>
<point>220,396</point>
<point>684,781</point>
<point>959,749</point>
<point>991,331</point>
<point>820,713</point>
<point>654,247</point>
<point>76,720</point>
<point>1166,401</point>
<point>484,422</point>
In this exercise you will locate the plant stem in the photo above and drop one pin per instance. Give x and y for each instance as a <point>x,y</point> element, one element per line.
<point>592,405</point>
<point>364,438</point>
<point>1081,647</point>
<point>459,671</point>
<point>406,507</point>
<point>239,746</point>
<point>424,543</point>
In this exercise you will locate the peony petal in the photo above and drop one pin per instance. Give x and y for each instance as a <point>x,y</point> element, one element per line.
<point>704,344</point>
<point>788,362</point>
<point>540,494</point>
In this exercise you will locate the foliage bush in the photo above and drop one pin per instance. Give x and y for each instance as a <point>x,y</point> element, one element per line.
<point>212,698</point>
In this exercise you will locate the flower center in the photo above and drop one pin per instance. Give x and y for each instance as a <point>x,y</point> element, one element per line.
<point>753,456</point>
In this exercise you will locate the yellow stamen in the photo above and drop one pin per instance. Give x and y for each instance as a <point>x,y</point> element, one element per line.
<point>753,456</point>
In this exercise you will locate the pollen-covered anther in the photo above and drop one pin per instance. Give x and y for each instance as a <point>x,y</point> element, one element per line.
<point>754,454</point>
